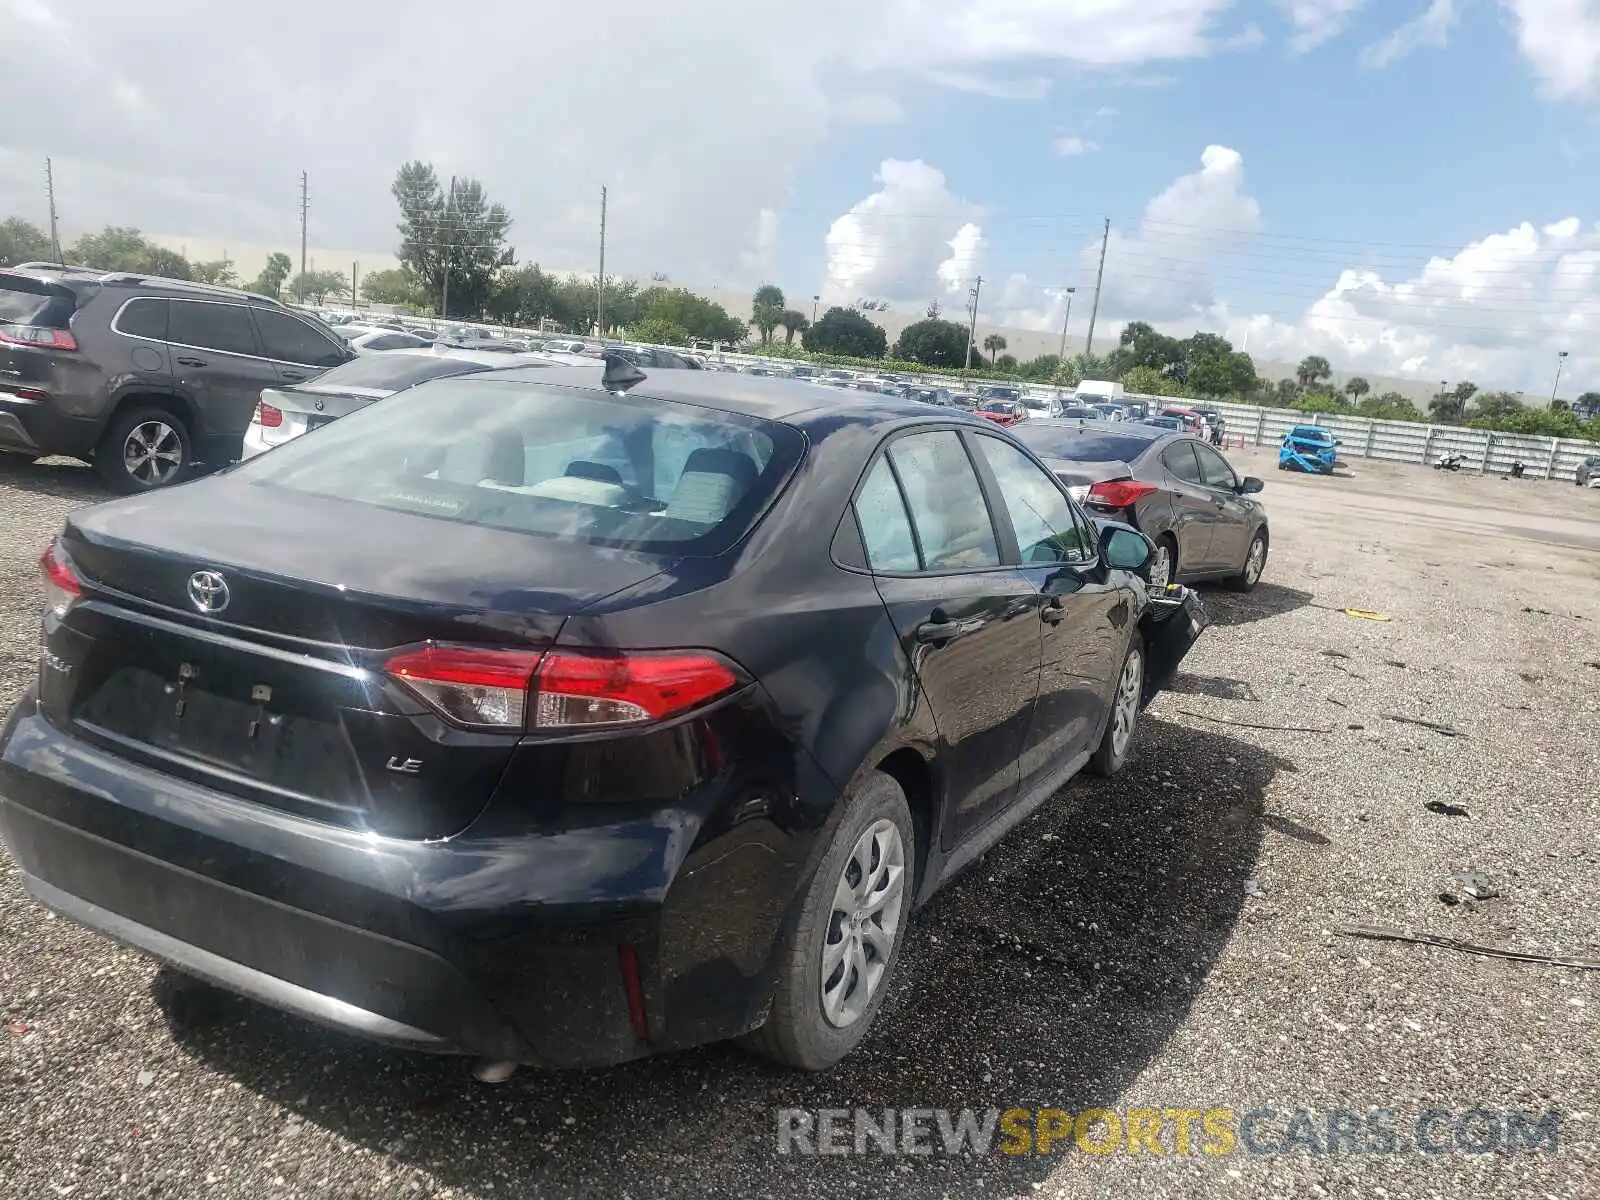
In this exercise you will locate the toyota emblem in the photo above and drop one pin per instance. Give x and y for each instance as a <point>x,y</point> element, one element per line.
<point>209,591</point>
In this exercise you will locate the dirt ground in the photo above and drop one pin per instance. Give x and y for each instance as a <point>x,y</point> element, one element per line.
<point>1169,939</point>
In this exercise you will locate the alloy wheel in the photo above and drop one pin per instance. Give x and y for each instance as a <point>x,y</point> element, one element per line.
<point>863,924</point>
<point>1161,566</point>
<point>152,453</point>
<point>1256,561</point>
<point>1125,710</point>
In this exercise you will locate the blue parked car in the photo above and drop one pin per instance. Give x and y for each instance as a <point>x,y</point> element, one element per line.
<point>1308,448</point>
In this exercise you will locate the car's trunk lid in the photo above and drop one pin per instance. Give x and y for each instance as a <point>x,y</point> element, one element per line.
<point>280,696</point>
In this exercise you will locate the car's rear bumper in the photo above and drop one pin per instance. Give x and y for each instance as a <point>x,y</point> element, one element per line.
<point>38,427</point>
<point>519,948</point>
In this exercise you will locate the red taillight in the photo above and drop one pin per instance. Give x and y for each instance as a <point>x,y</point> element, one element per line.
<point>474,687</point>
<point>38,335</point>
<point>62,587</point>
<point>567,690</point>
<point>577,691</point>
<point>1119,493</point>
<point>268,417</point>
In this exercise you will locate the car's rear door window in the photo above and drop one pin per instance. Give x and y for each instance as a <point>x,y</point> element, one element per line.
<point>628,471</point>
<point>209,326</point>
<point>25,301</point>
<point>946,501</point>
<point>1180,460</point>
<point>885,526</point>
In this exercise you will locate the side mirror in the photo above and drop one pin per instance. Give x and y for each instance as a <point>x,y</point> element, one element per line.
<point>1126,549</point>
<point>1250,485</point>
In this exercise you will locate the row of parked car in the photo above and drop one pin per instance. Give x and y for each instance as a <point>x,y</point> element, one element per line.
<point>563,716</point>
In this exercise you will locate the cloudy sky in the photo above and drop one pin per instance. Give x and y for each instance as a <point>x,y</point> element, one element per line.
<point>1407,186</point>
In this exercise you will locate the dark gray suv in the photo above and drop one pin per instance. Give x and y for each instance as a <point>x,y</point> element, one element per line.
<point>144,377</point>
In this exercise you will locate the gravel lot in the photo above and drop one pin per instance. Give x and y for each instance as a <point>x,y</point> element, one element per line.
<point>1164,940</point>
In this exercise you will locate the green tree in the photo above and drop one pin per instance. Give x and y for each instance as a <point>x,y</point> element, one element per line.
<point>1589,403</point>
<point>1447,407</point>
<point>933,343</point>
<point>1007,363</point>
<point>699,318</point>
<point>656,332</point>
<point>118,248</point>
<point>1141,346</point>
<point>846,332</point>
<point>1464,391</point>
<point>1039,368</point>
<point>1313,368</point>
<point>21,241</point>
<point>1356,387</point>
<point>1286,392</point>
<point>1147,381</point>
<point>452,233</point>
<point>1066,374</point>
<point>1496,404</point>
<point>992,346</point>
<point>168,264</point>
<point>396,286</point>
<point>766,310</point>
<point>793,322</point>
<point>218,271</point>
<point>316,286</point>
<point>270,281</point>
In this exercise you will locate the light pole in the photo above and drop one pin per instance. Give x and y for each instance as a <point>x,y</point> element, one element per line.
<point>972,328</point>
<point>1062,353</point>
<point>814,302</point>
<point>1561,361</point>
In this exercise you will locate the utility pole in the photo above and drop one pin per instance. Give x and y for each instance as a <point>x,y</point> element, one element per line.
<point>600,283</point>
<point>50,191</point>
<point>1105,240</point>
<point>1561,361</point>
<point>1062,353</point>
<point>305,204</point>
<point>353,268</point>
<point>972,325</point>
<point>815,300</point>
<point>446,233</point>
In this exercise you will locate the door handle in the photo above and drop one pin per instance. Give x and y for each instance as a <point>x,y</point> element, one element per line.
<point>293,376</point>
<point>939,631</point>
<point>185,360</point>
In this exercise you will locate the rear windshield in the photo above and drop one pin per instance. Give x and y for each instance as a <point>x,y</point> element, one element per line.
<point>25,301</point>
<point>1091,445</point>
<point>394,371</point>
<point>625,471</point>
<point>1000,393</point>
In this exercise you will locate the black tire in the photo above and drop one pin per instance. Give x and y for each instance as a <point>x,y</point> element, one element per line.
<point>111,455</point>
<point>1114,752</point>
<point>1170,542</point>
<point>797,1033</point>
<point>1250,573</point>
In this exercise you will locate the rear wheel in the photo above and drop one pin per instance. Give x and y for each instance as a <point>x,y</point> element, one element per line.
<point>840,958</point>
<point>1164,564</point>
<point>1113,752</point>
<point>143,449</point>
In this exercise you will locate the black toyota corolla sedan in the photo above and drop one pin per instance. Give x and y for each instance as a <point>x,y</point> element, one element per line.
<point>560,721</point>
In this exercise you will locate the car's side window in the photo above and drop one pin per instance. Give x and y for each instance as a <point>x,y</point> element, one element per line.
<point>1040,511</point>
<point>287,339</point>
<point>145,318</point>
<point>885,527</point>
<point>1180,460</point>
<point>946,502</point>
<point>1214,469</point>
<point>222,327</point>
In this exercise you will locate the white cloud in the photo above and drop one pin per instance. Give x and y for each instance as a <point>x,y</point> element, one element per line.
<point>1162,269</point>
<point>617,93</point>
<point>1317,21</point>
<point>1031,87</point>
<point>1431,28</point>
<point>1105,112</point>
<point>905,240</point>
<point>1495,312</point>
<point>1561,39</point>
<point>1070,146</point>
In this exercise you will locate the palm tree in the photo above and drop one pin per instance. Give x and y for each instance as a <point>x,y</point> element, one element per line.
<point>1312,368</point>
<point>793,322</point>
<point>994,343</point>
<point>766,312</point>
<point>1356,388</point>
